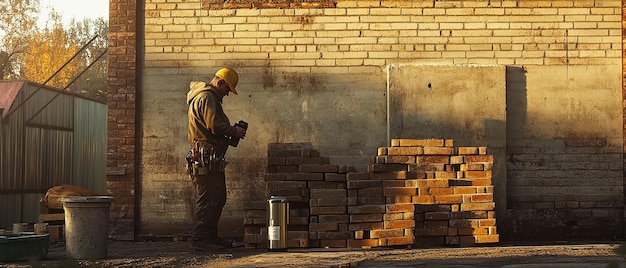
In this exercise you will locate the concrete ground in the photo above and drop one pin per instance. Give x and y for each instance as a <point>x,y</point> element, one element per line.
<point>179,254</point>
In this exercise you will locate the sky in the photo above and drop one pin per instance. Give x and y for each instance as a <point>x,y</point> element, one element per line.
<point>77,9</point>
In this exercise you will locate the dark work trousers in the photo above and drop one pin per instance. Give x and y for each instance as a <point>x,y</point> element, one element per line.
<point>211,198</point>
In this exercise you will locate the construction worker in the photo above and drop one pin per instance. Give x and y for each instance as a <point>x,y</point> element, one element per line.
<point>210,133</point>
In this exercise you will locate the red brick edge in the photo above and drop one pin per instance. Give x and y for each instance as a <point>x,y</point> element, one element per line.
<point>121,100</point>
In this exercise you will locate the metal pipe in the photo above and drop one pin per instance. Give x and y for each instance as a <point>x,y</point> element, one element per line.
<point>54,74</point>
<point>59,93</point>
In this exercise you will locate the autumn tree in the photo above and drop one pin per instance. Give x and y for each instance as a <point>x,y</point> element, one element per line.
<point>49,51</point>
<point>42,54</point>
<point>17,23</point>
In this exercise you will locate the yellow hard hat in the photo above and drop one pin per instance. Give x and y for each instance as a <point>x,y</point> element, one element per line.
<point>230,76</point>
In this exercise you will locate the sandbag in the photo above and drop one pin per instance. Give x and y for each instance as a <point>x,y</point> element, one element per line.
<point>53,196</point>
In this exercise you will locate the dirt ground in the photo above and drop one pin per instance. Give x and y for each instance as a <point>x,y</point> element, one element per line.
<point>179,254</point>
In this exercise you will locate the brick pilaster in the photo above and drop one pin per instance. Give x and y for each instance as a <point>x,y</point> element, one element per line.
<point>624,95</point>
<point>121,101</point>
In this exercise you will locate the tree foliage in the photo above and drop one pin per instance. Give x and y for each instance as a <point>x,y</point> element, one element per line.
<point>17,23</point>
<point>42,54</point>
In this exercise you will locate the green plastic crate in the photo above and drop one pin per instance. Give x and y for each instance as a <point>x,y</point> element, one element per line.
<point>23,245</point>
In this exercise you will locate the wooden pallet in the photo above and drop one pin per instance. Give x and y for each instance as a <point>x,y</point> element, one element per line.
<point>50,215</point>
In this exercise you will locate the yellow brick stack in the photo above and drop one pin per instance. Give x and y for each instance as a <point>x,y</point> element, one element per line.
<point>417,192</point>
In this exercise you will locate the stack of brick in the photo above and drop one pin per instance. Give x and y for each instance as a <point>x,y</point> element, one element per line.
<point>416,192</point>
<point>454,203</point>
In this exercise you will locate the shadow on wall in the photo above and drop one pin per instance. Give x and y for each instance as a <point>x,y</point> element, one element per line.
<point>563,187</point>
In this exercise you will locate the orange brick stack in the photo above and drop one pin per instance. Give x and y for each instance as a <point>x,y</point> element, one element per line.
<point>416,192</point>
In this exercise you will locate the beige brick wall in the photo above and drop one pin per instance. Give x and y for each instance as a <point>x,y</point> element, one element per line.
<point>296,62</point>
<point>549,32</point>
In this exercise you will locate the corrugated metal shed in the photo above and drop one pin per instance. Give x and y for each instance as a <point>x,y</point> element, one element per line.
<point>48,137</point>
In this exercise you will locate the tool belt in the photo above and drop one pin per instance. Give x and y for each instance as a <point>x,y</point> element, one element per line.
<point>203,159</point>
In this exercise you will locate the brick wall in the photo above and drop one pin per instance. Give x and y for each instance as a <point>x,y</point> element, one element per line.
<point>565,56</point>
<point>417,192</point>
<point>121,102</point>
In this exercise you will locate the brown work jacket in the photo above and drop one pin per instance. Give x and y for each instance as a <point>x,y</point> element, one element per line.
<point>207,121</point>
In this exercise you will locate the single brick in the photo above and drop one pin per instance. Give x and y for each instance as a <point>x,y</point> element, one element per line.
<point>431,231</point>
<point>366,200</point>
<point>487,238</point>
<point>445,174</point>
<point>343,169</point>
<point>481,182</point>
<point>478,206</point>
<point>436,216</point>
<point>364,243</point>
<point>394,183</point>
<point>383,233</point>
<point>358,176</point>
<point>319,168</point>
<point>433,183</point>
<point>325,185</point>
<point>387,167</point>
<point>457,159</point>
<point>453,231</point>
<point>331,201</point>
<point>438,151</point>
<point>328,193</point>
<point>275,161</point>
<point>391,175</point>
<point>440,191</point>
<point>287,169</point>
<point>448,199</point>
<point>396,191</point>
<point>452,240</point>
<point>487,222</point>
<point>400,159</point>
<point>399,241</point>
<point>467,150</point>
<point>306,160</point>
<point>366,226</point>
<point>394,208</point>
<point>335,177</point>
<point>423,199</point>
<point>478,159</point>
<point>360,184</point>
<point>478,174</point>
<point>286,184</point>
<point>325,226</point>
<point>328,210</point>
<point>359,218</point>
<point>399,224</point>
<point>478,198</point>
<point>366,209</point>
<point>359,234</point>
<point>300,176</point>
<point>467,241</point>
<point>412,151</point>
<point>464,223</point>
<point>433,159</point>
<point>393,216</point>
<point>370,192</point>
<point>334,235</point>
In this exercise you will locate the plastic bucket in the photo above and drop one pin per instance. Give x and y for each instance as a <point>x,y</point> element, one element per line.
<point>86,226</point>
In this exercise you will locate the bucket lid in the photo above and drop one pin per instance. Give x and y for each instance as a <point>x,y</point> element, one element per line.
<point>87,199</point>
<point>277,199</point>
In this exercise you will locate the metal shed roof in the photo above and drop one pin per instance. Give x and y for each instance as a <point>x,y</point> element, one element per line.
<point>8,93</point>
